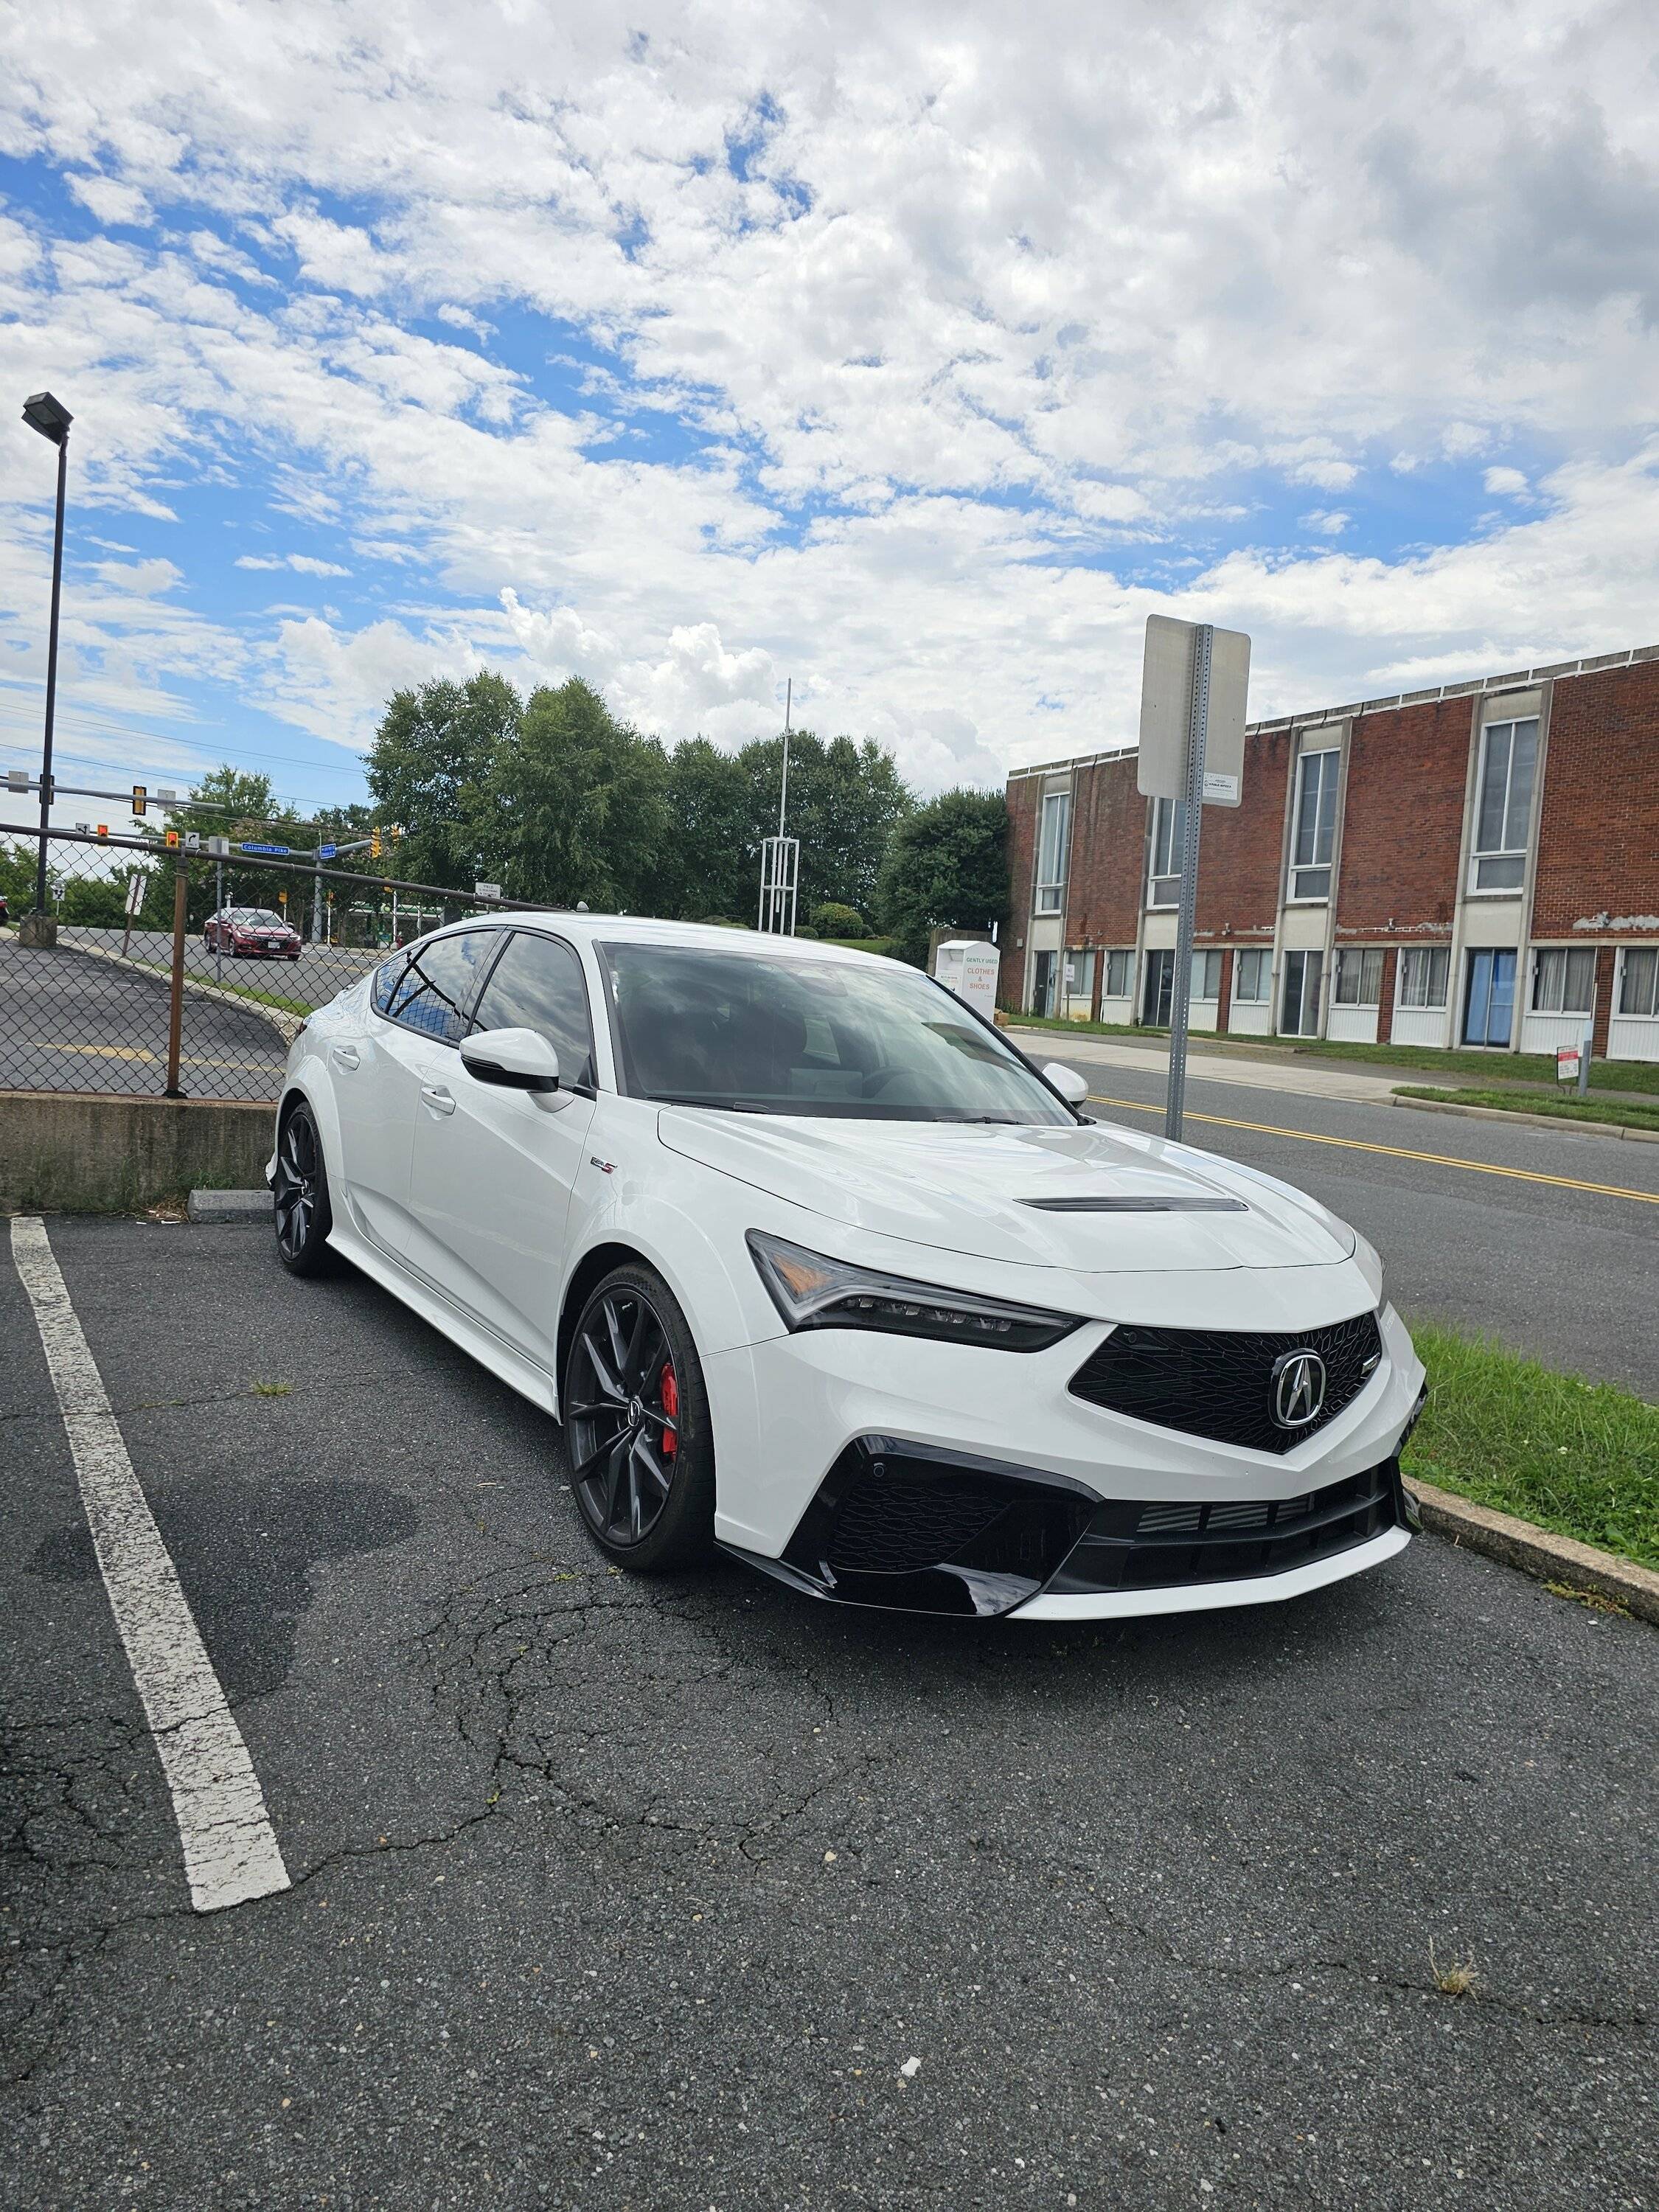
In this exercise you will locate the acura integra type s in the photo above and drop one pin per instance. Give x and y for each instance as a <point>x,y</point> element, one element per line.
<point>813,1264</point>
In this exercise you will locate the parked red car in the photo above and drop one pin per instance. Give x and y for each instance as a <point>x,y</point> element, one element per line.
<point>254,931</point>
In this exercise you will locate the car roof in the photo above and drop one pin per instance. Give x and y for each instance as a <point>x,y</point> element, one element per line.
<point>645,929</point>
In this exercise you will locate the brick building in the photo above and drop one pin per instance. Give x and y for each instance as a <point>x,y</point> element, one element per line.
<point>1476,865</point>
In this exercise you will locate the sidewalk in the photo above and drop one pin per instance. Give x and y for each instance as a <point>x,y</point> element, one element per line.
<point>1276,1073</point>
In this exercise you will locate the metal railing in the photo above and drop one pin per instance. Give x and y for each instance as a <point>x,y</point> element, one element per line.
<point>158,971</point>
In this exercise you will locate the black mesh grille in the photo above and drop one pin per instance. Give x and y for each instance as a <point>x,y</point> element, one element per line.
<point>1130,1546</point>
<point>1220,1382</point>
<point>895,1525</point>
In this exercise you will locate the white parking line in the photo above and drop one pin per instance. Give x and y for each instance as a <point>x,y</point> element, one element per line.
<point>231,1852</point>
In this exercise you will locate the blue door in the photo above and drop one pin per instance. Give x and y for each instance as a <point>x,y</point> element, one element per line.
<point>1489,1009</point>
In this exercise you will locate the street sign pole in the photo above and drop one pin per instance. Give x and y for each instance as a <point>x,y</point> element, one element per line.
<point>1179,997</point>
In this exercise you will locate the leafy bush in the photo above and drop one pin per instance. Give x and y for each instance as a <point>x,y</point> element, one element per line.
<point>833,920</point>
<point>806,929</point>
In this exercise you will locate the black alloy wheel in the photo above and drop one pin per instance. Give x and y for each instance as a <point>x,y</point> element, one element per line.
<point>636,1422</point>
<point>304,1216</point>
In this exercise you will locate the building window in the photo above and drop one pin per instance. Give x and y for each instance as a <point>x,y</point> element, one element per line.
<point>1638,982</point>
<point>1423,976</point>
<point>1169,849</point>
<point>1359,978</point>
<point>1159,990</point>
<point>1563,982</point>
<point>1207,976</point>
<point>1316,824</point>
<point>1253,977</point>
<point>1080,975</point>
<point>1051,851</point>
<point>1509,760</point>
<point>1299,1014</point>
<point>1120,975</point>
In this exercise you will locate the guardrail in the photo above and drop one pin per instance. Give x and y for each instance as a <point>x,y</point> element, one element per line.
<point>158,971</point>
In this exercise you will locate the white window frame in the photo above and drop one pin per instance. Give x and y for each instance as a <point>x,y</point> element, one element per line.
<point>1508,855</point>
<point>1053,851</point>
<point>1126,955</point>
<point>1552,964</point>
<point>1168,853</point>
<point>1645,953</point>
<point>1323,826</point>
<point>1362,966</point>
<point>1201,973</point>
<point>1423,956</point>
<point>1262,954</point>
<point>1077,973</point>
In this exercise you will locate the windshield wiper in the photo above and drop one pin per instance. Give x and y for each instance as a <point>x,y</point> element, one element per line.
<point>976,1120</point>
<point>712,1105</point>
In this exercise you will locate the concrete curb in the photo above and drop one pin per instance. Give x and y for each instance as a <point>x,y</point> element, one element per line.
<point>1556,1121</point>
<point>1538,1551</point>
<point>246,1206</point>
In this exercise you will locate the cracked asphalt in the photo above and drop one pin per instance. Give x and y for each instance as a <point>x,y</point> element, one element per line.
<point>689,1894</point>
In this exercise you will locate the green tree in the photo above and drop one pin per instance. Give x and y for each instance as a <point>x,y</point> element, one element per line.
<point>946,867</point>
<point>705,861</point>
<point>580,806</point>
<point>845,800</point>
<point>432,767</point>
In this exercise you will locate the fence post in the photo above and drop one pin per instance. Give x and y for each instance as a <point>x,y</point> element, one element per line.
<point>176,995</point>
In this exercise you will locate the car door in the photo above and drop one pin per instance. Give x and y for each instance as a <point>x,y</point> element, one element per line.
<point>378,1067</point>
<point>493,1168</point>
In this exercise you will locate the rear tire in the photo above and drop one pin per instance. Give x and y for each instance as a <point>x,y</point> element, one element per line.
<point>303,1213</point>
<point>636,1427</point>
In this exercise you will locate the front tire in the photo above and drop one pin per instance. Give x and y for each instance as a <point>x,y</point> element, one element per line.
<point>304,1215</point>
<point>636,1426</point>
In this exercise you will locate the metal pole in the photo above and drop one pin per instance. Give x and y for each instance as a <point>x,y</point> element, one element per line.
<point>176,993</point>
<point>51,674</point>
<point>219,933</point>
<point>1584,1060</point>
<point>1197,731</point>
<point>317,899</point>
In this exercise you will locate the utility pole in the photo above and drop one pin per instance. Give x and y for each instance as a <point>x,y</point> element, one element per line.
<point>51,419</point>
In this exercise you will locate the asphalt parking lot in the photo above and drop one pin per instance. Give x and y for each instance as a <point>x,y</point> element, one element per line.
<point>692,1893</point>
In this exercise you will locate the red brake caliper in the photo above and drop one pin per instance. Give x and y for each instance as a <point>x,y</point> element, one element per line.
<point>671,1405</point>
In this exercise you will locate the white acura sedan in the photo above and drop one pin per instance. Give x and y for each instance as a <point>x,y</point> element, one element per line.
<point>812,1263</point>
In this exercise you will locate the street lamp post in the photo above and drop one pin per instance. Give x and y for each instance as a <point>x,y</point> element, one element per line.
<point>51,419</point>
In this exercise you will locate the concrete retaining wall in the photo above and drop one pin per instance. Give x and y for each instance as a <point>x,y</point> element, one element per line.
<point>87,1155</point>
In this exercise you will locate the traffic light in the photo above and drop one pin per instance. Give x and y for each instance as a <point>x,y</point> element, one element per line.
<point>140,799</point>
<point>103,829</point>
<point>282,898</point>
<point>397,832</point>
<point>374,844</point>
<point>173,839</point>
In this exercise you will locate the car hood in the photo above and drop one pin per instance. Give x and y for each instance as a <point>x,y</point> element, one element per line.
<point>1127,1203</point>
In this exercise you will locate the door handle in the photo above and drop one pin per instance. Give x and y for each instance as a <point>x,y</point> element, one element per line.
<point>434,1096</point>
<point>345,1055</point>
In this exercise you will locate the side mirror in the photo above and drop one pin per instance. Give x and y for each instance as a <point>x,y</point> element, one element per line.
<point>521,1060</point>
<point>1072,1087</point>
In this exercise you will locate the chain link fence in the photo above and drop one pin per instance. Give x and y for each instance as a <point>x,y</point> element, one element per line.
<point>161,972</point>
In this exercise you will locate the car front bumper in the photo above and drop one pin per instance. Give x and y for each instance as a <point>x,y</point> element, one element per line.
<point>809,1427</point>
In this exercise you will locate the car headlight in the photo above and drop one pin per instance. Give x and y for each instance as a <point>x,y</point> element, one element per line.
<point>811,1292</point>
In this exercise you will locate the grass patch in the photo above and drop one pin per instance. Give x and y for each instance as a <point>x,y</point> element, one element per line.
<point>270,1389</point>
<point>1628,1113</point>
<point>1581,1458</point>
<point>1506,1066</point>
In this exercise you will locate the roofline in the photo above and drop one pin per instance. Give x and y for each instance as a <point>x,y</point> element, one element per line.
<point>1519,679</point>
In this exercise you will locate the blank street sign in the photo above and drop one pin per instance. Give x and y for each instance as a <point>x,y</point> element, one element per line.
<point>1166,699</point>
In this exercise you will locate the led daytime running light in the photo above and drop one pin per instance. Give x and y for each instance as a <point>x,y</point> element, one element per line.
<point>813,1291</point>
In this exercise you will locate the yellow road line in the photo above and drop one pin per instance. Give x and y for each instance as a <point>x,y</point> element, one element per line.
<point>1393,1151</point>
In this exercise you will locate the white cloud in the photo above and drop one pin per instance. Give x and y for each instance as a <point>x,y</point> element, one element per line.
<point>306,563</point>
<point>1014,326</point>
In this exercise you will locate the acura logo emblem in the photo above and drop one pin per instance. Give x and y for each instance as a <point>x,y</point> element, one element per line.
<point>1299,1389</point>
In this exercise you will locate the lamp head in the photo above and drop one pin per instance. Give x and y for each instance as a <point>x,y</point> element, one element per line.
<point>48,416</point>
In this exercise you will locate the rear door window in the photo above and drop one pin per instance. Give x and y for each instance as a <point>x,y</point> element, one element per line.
<point>537,984</point>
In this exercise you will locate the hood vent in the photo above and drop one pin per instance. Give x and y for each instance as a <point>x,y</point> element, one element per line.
<point>1136,1204</point>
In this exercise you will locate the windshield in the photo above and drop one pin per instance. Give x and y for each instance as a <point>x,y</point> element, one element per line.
<point>248,917</point>
<point>765,1034</point>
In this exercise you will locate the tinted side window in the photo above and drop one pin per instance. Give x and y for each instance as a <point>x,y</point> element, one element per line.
<point>436,986</point>
<point>537,984</point>
<point>386,980</point>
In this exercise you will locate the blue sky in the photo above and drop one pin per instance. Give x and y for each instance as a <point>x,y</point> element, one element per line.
<point>915,355</point>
